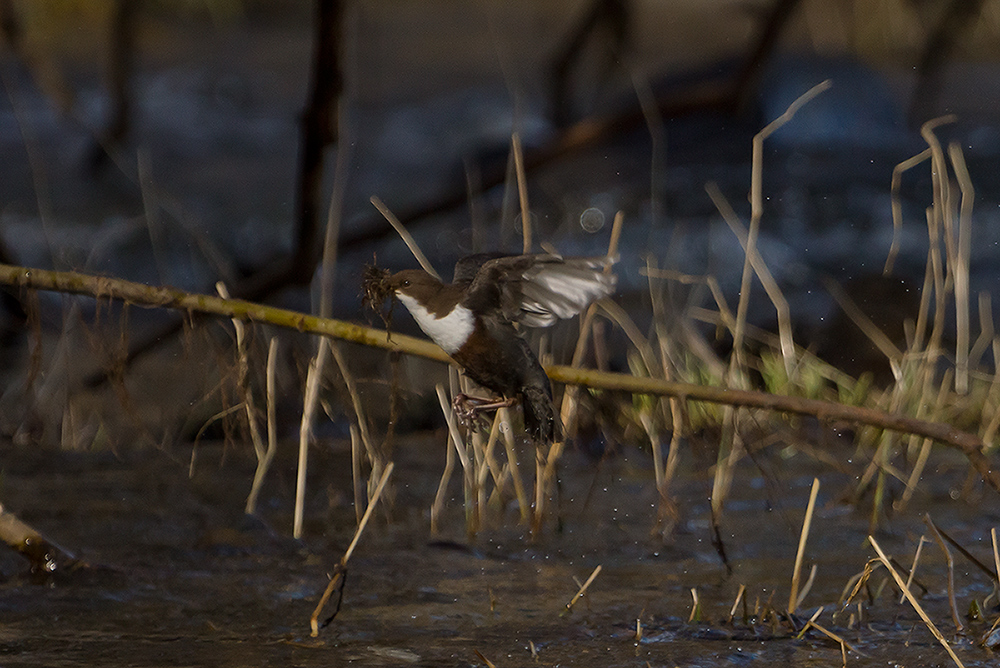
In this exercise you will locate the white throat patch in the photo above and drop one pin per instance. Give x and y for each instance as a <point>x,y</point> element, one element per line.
<point>449,332</point>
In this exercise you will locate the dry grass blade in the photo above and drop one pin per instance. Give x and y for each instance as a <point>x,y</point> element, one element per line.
<point>807,587</point>
<point>855,583</point>
<point>793,596</point>
<point>242,371</point>
<point>582,590</point>
<point>925,450</point>
<point>986,331</point>
<point>449,416</point>
<point>913,602</point>
<point>801,634</point>
<point>242,383</point>
<point>405,236</point>
<point>376,495</point>
<point>359,494</point>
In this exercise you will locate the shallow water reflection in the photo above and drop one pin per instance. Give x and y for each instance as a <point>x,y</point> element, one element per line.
<point>183,578</point>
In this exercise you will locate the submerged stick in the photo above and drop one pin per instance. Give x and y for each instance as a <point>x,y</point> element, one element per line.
<point>583,589</point>
<point>45,556</point>
<point>340,572</point>
<point>137,293</point>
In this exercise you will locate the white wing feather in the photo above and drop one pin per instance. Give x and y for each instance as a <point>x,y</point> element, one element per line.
<point>550,291</point>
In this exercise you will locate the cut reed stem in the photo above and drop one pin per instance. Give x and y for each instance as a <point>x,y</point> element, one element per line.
<point>913,602</point>
<point>341,570</point>
<point>583,589</point>
<point>793,596</point>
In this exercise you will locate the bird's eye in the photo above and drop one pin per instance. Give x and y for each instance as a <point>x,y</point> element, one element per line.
<point>406,283</point>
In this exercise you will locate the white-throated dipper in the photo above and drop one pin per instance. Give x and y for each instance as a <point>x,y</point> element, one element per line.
<point>475,319</point>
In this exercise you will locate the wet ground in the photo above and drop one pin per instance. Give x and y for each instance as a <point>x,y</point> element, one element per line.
<point>181,577</point>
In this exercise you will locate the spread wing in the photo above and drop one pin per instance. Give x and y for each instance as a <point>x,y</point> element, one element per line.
<point>467,268</point>
<point>536,290</point>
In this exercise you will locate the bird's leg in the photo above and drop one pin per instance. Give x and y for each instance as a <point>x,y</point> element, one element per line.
<point>468,408</point>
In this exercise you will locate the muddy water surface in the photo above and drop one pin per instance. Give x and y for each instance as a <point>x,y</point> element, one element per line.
<point>182,577</point>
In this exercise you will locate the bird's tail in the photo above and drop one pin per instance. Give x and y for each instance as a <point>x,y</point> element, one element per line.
<point>540,419</point>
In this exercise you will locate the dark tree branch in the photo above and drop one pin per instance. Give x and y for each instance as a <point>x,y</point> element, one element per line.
<point>318,131</point>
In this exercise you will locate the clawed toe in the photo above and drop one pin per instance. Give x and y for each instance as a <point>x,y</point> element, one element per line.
<point>468,409</point>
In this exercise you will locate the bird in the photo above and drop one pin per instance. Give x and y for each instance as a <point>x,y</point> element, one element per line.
<point>478,320</point>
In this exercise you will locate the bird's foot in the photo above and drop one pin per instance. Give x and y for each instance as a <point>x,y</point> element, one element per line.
<point>468,409</point>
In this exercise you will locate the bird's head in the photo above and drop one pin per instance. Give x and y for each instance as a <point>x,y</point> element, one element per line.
<point>414,283</point>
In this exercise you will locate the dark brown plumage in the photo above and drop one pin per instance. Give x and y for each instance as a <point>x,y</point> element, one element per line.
<point>475,319</point>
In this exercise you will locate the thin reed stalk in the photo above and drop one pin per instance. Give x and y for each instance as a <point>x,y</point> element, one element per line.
<point>405,235</point>
<point>757,212</point>
<point>793,596</point>
<point>897,206</point>
<point>567,411</point>
<point>952,604</point>
<point>522,192</point>
<point>442,491</point>
<point>309,402</point>
<point>374,456</point>
<point>925,448</point>
<point>265,458</point>
<point>763,275</point>
<point>521,494</point>
<point>913,602</point>
<point>961,269</point>
<point>471,509</point>
<point>356,481</point>
<point>913,567</point>
<point>996,556</point>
